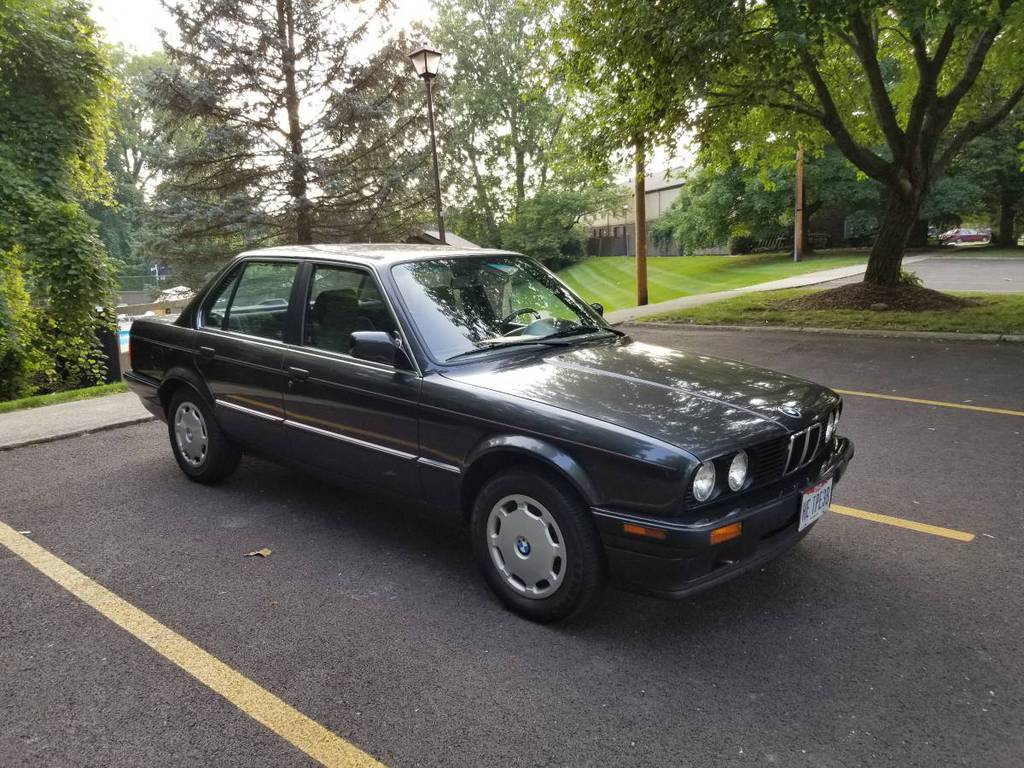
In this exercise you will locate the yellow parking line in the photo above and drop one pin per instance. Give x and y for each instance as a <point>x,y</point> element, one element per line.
<point>899,522</point>
<point>944,404</point>
<point>259,704</point>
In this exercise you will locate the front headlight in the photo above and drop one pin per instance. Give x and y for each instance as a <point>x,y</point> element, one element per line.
<point>704,481</point>
<point>738,471</point>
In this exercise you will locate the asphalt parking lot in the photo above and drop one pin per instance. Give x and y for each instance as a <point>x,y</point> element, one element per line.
<point>867,645</point>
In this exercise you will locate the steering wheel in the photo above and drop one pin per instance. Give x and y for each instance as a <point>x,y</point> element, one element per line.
<point>516,313</point>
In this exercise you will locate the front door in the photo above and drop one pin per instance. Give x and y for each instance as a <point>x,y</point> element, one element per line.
<point>241,351</point>
<point>345,415</point>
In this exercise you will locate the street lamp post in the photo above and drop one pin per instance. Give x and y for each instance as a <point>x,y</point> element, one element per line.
<point>426,61</point>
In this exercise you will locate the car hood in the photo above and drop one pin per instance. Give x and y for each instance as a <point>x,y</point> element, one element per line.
<point>704,405</point>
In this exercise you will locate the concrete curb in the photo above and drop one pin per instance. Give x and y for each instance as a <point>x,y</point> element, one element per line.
<point>933,335</point>
<point>76,433</point>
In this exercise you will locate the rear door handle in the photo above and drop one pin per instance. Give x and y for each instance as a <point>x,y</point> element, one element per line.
<point>299,374</point>
<point>207,351</point>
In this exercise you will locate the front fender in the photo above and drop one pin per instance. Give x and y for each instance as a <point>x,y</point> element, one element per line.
<point>541,450</point>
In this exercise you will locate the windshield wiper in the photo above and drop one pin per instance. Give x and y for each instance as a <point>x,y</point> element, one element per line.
<point>578,330</point>
<point>487,346</point>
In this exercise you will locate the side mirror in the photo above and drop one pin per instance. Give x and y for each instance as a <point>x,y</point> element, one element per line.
<point>379,347</point>
<point>598,307</point>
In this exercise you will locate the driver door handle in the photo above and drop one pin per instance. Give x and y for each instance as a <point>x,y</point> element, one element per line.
<point>297,374</point>
<point>208,352</point>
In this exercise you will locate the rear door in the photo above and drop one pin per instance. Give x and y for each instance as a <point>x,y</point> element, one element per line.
<point>350,416</point>
<point>241,350</point>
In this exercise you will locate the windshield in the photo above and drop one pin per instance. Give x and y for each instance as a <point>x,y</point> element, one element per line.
<point>469,304</point>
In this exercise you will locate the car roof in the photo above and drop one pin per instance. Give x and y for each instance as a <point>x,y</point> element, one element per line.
<point>373,253</point>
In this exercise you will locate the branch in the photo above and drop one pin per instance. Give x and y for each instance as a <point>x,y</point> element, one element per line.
<point>867,51</point>
<point>975,128</point>
<point>873,165</point>
<point>975,61</point>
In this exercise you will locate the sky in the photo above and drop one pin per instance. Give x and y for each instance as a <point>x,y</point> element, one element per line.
<point>134,23</point>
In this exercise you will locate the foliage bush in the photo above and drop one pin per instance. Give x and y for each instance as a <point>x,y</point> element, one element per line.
<point>55,98</point>
<point>19,356</point>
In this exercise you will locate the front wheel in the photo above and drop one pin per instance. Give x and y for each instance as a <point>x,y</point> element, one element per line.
<point>202,450</point>
<point>537,547</point>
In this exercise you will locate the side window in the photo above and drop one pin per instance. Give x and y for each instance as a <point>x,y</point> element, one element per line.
<point>216,306</point>
<point>343,300</point>
<point>260,303</point>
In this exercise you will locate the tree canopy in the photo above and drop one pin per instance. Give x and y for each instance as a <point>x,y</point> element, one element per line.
<point>899,87</point>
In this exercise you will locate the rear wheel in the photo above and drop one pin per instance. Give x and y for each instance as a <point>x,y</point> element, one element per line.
<point>202,450</point>
<point>537,547</point>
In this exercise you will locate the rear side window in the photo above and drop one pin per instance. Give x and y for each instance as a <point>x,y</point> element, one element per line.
<point>259,306</point>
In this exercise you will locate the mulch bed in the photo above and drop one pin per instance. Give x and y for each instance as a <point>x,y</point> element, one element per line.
<point>861,296</point>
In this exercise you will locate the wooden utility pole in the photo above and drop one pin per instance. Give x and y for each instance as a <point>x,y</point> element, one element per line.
<point>798,219</point>
<point>640,217</point>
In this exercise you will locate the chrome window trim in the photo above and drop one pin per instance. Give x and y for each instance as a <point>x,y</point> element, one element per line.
<point>250,411</point>
<point>341,357</point>
<point>351,440</point>
<point>439,465</point>
<point>261,340</point>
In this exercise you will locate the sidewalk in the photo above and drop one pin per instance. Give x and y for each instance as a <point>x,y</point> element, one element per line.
<point>798,281</point>
<point>53,422</point>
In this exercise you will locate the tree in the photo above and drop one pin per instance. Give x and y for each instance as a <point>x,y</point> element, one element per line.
<point>284,136</point>
<point>625,106</point>
<point>899,87</point>
<point>500,108</point>
<point>134,153</point>
<point>547,224</point>
<point>55,95</point>
<point>755,201</point>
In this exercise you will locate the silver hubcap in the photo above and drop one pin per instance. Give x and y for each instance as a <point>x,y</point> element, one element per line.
<point>526,546</point>
<point>190,434</point>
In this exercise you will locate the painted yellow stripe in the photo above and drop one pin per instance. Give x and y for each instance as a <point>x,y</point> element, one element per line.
<point>899,522</point>
<point>942,403</point>
<point>259,704</point>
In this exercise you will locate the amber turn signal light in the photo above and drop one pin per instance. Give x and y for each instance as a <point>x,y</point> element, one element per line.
<point>726,533</point>
<point>639,530</point>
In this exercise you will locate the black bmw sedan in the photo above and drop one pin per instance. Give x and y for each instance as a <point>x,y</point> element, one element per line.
<point>474,380</point>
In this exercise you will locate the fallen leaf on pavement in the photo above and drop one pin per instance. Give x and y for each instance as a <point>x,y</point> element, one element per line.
<point>258,553</point>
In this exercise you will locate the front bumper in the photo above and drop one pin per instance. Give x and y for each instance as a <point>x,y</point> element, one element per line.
<point>684,562</point>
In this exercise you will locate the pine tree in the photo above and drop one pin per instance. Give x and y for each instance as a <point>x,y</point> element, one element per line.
<point>282,133</point>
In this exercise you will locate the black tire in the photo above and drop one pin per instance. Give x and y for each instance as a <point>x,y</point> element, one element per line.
<point>220,457</point>
<point>584,563</point>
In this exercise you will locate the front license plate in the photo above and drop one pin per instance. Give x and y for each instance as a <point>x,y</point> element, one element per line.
<point>815,501</point>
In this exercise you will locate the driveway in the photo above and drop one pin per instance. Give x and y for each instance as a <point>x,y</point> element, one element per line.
<point>964,273</point>
<point>870,644</point>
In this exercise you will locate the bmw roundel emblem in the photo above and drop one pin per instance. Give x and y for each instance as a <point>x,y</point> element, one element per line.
<point>523,546</point>
<point>791,409</point>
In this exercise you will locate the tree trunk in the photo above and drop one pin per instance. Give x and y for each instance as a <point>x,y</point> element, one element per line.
<point>298,184</point>
<point>1007,216</point>
<point>520,175</point>
<point>887,253</point>
<point>640,220</point>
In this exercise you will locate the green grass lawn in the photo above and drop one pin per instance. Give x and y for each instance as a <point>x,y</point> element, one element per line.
<point>611,280</point>
<point>1000,313</point>
<point>61,397</point>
